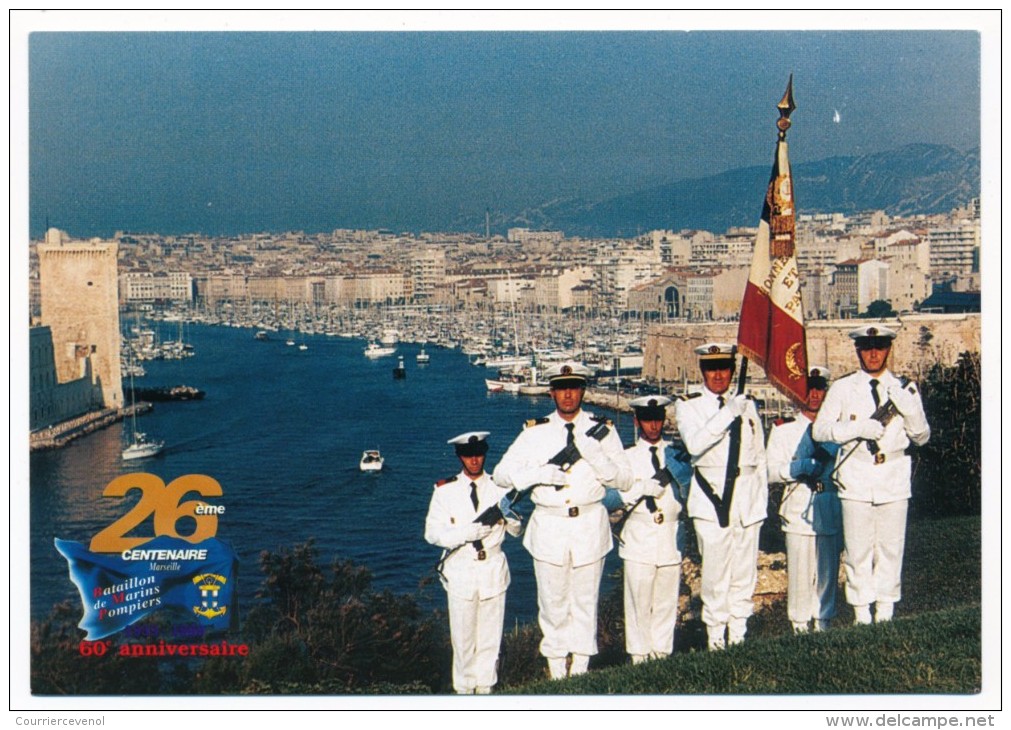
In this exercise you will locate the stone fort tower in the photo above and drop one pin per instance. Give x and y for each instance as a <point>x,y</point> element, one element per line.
<point>80,304</point>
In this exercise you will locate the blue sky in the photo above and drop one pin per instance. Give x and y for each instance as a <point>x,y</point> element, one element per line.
<point>222,132</point>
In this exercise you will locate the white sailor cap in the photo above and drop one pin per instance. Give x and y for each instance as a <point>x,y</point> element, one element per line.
<point>471,443</point>
<point>716,351</point>
<point>818,376</point>
<point>650,407</point>
<point>568,373</point>
<point>875,334</point>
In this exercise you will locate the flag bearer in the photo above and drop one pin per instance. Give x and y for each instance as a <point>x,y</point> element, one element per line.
<point>727,502</point>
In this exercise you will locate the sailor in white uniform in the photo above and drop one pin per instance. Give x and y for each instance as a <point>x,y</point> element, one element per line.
<point>474,570</point>
<point>727,509</point>
<point>875,416</point>
<point>809,511</point>
<point>567,458</point>
<point>650,539</point>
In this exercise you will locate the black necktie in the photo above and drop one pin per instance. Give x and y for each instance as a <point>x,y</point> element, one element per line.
<point>874,393</point>
<point>720,399</point>
<point>473,495</point>
<point>570,439</point>
<point>650,501</point>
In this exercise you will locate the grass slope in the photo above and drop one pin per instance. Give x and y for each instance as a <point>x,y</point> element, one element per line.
<point>932,647</point>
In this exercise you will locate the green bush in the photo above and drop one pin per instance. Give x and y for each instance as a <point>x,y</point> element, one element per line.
<point>317,627</point>
<point>947,476</point>
<point>59,667</point>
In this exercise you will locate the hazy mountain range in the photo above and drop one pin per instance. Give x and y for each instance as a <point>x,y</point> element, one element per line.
<point>917,178</point>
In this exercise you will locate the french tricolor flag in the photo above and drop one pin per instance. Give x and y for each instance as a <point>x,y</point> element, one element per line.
<point>771,330</point>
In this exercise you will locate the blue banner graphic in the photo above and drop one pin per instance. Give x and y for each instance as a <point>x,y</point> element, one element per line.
<point>165,573</point>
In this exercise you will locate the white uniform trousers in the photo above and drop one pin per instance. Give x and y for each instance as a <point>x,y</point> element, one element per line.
<point>475,628</point>
<point>812,576</point>
<point>567,608</point>
<point>651,608</point>
<point>729,571</point>
<point>875,539</point>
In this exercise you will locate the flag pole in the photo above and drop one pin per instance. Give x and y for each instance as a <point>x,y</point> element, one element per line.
<point>771,329</point>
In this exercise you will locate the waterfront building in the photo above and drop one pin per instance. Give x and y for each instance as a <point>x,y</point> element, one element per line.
<point>147,287</point>
<point>428,270</point>
<point>923,339</point>
<point>50,400</point>
<point>79,296</point>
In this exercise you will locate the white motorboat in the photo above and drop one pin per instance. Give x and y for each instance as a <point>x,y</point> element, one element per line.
<point>371,460</point>
<point>422,357</point>
<point>507,381</point>
<point>514,362</point>
<point>374,349</point>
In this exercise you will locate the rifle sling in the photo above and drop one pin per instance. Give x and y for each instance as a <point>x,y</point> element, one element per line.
<point>722,505</point>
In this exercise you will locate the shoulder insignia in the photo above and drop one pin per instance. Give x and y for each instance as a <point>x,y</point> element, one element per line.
<point>447,480</point>
<point>535,422</point>
<point>781,421</point>
<point>689,396</point>
<point>602,419</point>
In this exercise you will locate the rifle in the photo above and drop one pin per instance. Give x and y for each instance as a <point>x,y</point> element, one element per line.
<point>733,456</point>
<point>883,414</point>
<point>489,517</point>
<point>569,454</point>
<point>662,475</point>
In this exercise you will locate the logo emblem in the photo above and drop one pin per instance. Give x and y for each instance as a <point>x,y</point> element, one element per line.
<point>714,349</point>
<point>790,360</point>
<point>872,331</point>
<point>209,585</point>
<point>566,370</point>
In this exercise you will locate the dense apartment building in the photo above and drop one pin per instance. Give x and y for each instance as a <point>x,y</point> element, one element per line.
<point>954,250</point>
<point>146,287</point>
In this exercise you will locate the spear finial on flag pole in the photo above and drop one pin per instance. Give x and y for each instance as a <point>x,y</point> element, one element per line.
<point>786,107</point>
<point>771,330</point>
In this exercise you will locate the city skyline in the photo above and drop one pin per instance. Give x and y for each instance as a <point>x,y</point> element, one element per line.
<point>227,132</point>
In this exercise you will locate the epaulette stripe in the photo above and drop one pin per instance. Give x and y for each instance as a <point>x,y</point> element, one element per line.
<point>535,422</point>
<point>689,396</point>
<point>602,419</point>
<point>447,480</point>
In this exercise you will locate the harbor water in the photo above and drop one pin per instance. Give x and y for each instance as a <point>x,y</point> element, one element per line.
<point>282,430</point>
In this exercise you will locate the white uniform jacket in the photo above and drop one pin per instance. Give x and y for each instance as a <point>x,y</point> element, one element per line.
<point>864,476</point>
<point>703,428</point>
<point>805,511</point>
<point>468,573</point>
<point>650,538</point>
<point>569,522</point>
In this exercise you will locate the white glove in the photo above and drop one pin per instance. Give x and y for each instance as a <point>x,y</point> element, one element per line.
<point>870,429</point>
<point>551,475</point>
<point>905,402</point>
<point>513,527</point>
<point>476,531</point>
<point>738,404</point>
<point>651,488</point>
